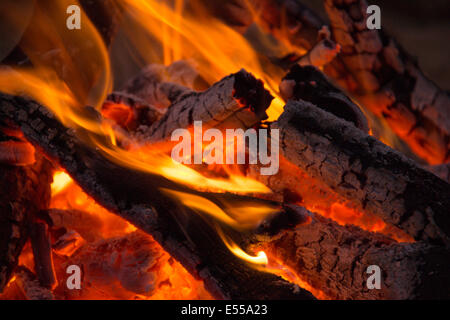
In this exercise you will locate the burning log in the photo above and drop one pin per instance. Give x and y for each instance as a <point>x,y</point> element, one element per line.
<point>283,18</point>
<point>84,223</point>
<point>390,83</point>
<point>27,191</point>
<point>309,84</point>
<point>16,152</point>
<point>136,197</point>
<point>237,100</point>
<point>335,259</point>
<point>371,175</point>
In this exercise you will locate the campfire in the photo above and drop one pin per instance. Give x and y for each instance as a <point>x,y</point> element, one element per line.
<point>219,150</point>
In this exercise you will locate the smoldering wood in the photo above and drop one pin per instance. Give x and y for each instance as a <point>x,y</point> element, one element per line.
<point>129,111</point>
<point>292,23</point>
<point>85,223</point>
<point>131,260</point>
<point>335,258</point>
<point>236,101</point>
<point>309,84</point>
<point>390,83</point>
<point>42,254</point>
<point>372,176</point>
<point>16,152</point>
<point>25,190</point>
<point>185,235</point>
<point>29,285</point>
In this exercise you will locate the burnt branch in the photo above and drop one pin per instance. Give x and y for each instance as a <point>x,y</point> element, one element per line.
<point>334,259</point>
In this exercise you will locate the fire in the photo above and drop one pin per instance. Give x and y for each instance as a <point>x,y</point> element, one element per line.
<point>185,37</point>
<point>60,181</point>
<point>70,80</point>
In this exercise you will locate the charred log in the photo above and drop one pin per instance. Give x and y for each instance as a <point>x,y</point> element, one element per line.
<point>390,83</point>
<point>371,175</point>
<point>309,84</point>
<point>186,236</point>
<point>25,191</point>
<point>335,259</point>
<point>238,100</point>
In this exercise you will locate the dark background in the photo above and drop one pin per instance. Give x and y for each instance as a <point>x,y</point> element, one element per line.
<point>421,26</point>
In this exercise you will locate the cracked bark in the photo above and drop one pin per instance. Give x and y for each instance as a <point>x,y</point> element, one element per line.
<point>335,259</point>
<point>390,83</point>
<point>372,176</point>
<point>238,100</point>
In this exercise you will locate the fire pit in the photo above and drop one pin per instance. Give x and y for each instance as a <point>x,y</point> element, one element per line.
<point>249,151</point>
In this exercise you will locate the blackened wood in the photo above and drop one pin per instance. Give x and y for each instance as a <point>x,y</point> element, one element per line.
<point>238,100</point>
<point>335,259</point>
<point>136,197</point>
<point>371,175</point>
<point>309,84</point>
<point>442,171</point>
<point>390,83</point>
<point>42,254</point>
<point>24,190</point>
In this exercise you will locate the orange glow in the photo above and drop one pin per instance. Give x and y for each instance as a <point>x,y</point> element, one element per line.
<point>185,37</point>
<point>67,82</point>
<point>60,181</point>
<point>260,259</point>
<point>279,268</point>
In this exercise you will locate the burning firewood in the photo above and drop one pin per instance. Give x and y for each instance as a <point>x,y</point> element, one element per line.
<point>25,191</point>
<point>390,83</point>
<point>368,173</point>
<point>309,84</point>
<point>238,100</point>
<point>180,231</point>
<point>335,259</point>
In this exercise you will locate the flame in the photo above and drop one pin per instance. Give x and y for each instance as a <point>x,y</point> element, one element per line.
<point>60,181</point>
<point>260,259</point>
<point>220,49</point>
<point>65,80</point>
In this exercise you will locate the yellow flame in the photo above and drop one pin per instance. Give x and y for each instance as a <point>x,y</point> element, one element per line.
<point>61,180</point>
<point>239,216</point>
<point>260,259</point>
<point>71,69</point>
<point>220,49</point>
